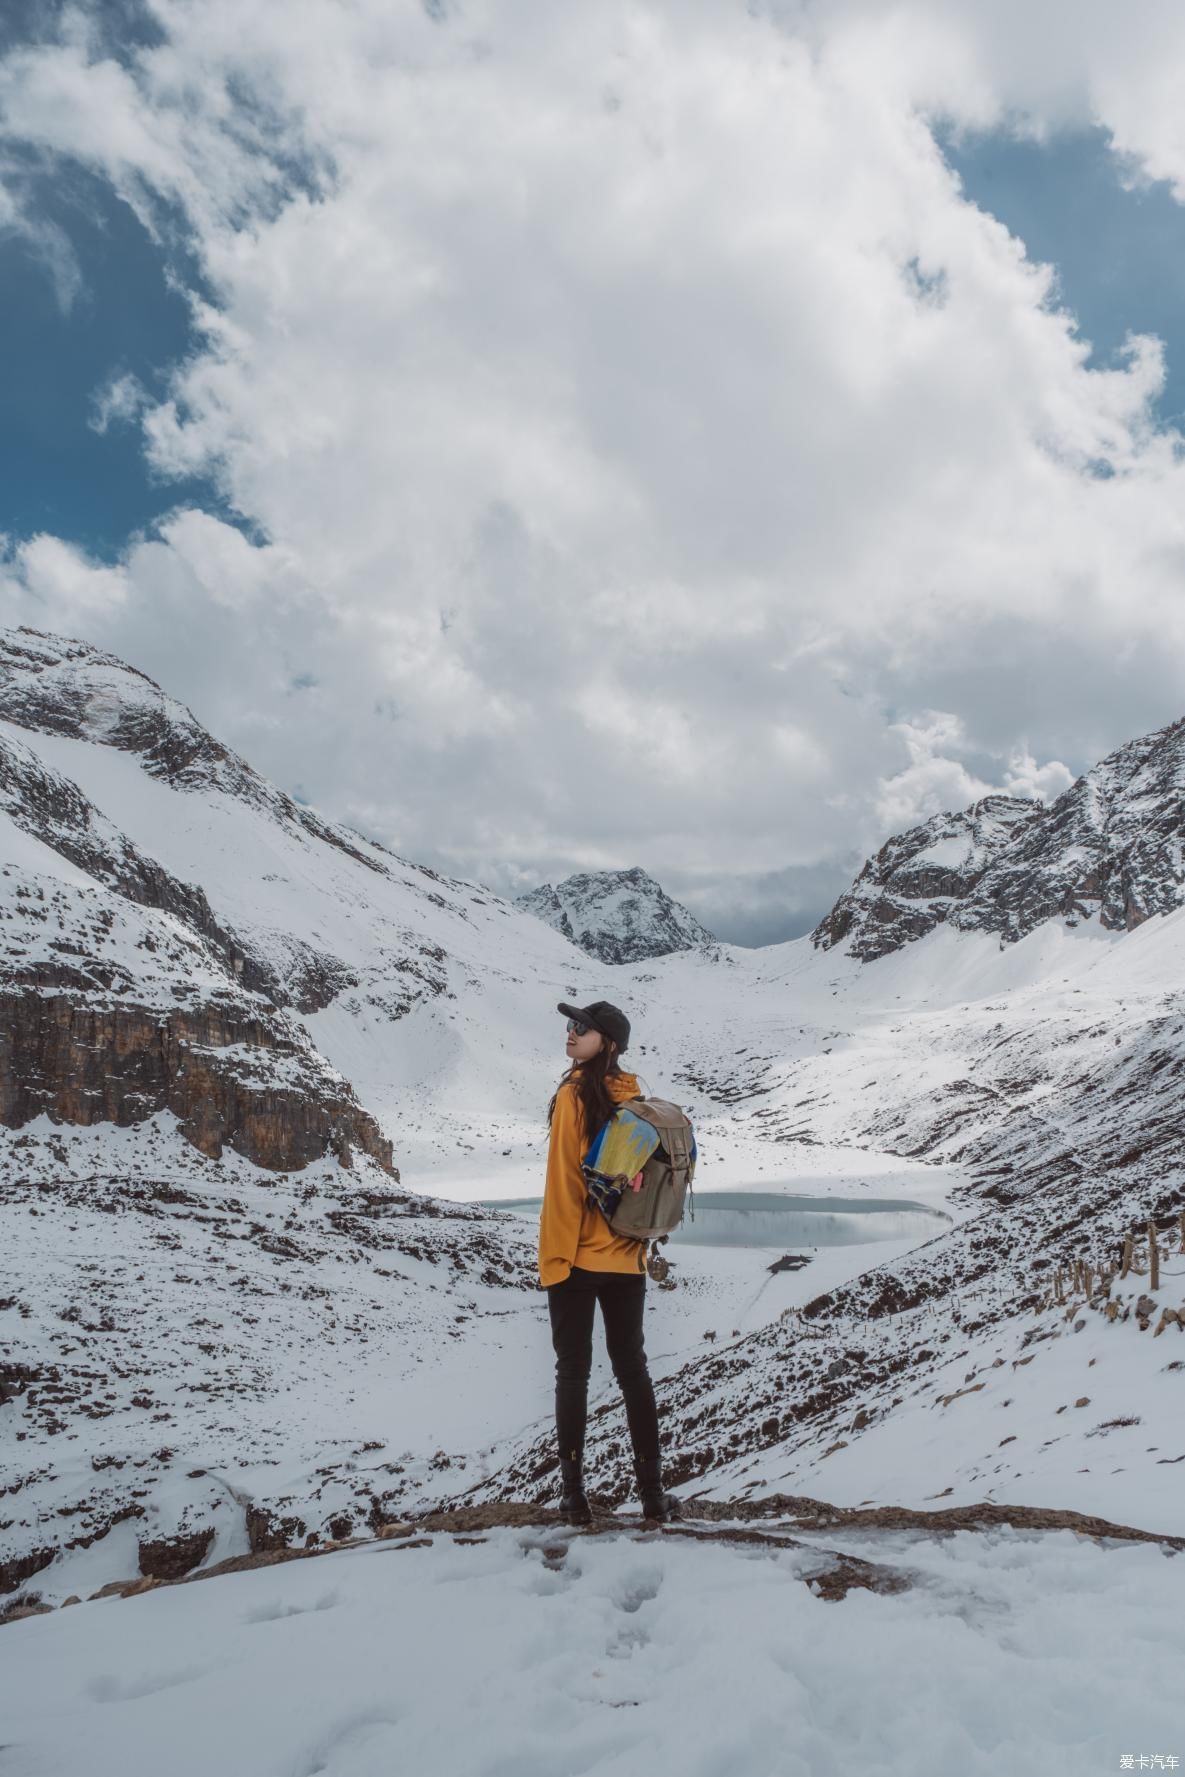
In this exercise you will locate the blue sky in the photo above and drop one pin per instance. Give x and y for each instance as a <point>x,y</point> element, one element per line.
<point>60,347</point>
<point>1119,251</point>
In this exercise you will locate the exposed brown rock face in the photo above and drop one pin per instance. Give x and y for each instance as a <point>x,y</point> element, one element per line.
<point>84,1064</point>
<point>14,1573</point>
<point>268,1531</point>
<point>168,1558</point>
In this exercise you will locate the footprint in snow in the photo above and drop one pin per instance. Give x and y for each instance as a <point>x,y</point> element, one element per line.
<point>272,1613</point>
<point>106,1688</point>
<point>639,1588</point>
<point>364,1731</point>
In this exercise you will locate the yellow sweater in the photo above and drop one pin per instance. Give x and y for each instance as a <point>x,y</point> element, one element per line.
<point>573,1231</point>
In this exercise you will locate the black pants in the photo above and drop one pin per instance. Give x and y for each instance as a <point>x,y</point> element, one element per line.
<point>571,1304</point>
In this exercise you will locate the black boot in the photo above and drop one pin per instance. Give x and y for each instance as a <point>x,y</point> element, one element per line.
<point>573,1505</point>
<point>656,1504</point>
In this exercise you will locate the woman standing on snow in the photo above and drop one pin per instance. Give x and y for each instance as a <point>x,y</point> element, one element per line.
<point>582,1262</point>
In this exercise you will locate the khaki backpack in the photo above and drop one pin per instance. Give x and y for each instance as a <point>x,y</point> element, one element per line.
<point>651,1205</point>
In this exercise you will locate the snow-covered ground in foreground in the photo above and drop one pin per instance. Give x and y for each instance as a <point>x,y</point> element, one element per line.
<point>540,1653</point>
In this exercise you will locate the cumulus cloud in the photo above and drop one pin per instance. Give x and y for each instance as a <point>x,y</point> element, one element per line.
<point>1024,777</point>
<point>50,584</point>
<point>633,416</point>
<point>936,779</point>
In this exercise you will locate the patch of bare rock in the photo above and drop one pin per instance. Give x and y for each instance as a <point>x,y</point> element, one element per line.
<point>766,1523</point>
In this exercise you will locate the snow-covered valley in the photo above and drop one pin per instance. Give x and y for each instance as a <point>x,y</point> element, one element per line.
<point>265,1086</point>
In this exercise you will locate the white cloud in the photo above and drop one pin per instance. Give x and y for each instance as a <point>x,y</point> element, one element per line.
<point>119,401</point>
<point>937,780</point>
<point>636,411</point>
<point>42,238</point>
<point>1025,777</point>
<point>51,585</point>
<point>932,781</point>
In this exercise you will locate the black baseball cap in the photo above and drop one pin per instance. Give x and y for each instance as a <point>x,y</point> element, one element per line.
<point>611,1021</point>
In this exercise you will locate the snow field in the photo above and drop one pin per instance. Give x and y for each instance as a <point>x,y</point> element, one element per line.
<point>541,1654</point>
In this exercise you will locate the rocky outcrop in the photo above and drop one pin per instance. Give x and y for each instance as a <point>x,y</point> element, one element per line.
<point>618,916</point>
<point>310,979</point>
<point>1111,848</point>
<point>229,1078</point>
<point>545,903</point>
<point>171,1557</point>
<point>919,877</point>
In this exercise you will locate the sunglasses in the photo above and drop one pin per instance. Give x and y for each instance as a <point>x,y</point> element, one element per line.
<point>577,1028</point>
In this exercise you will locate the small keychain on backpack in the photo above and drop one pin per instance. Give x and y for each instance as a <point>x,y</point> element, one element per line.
<point>656,1265</point>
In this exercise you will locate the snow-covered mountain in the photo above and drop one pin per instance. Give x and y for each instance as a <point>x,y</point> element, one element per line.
<point>259,1076</point>
<point>617,916</point>
<point>923,876</point>
<point>113,788</point>
<point>228,1024</point>
<point>1112,845</point>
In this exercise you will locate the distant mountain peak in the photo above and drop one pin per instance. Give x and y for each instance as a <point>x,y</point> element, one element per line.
<point>1111,847</point>
<point>618,916</point>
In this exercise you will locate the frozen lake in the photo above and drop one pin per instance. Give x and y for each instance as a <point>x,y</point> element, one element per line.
<point>778,1219</point>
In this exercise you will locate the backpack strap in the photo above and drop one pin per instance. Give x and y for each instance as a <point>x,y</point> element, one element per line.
<point>677,1143</point>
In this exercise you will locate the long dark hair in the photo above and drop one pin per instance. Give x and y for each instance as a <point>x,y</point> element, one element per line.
<point>588,1079</point>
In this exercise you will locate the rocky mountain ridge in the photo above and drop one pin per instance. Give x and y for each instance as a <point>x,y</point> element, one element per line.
<point>1111,848</point>
<point>617,916</point>
<point>120,996</point>
<point>114,791</point>
<point>57,685</point>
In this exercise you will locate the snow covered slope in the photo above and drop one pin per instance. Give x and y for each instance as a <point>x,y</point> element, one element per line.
<point>201,1357</point>
<point>617,916</point>
<point>534,1649</point>
<point>433,998</point>
<point>202,1216</point>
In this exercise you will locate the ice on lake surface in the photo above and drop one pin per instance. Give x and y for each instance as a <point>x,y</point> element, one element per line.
<point>775,1218</point>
